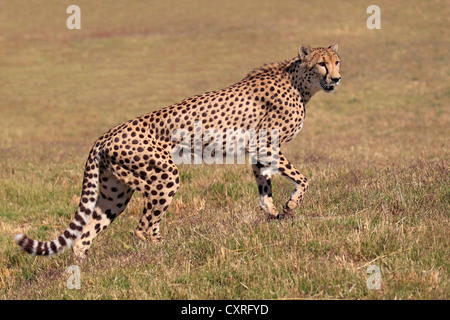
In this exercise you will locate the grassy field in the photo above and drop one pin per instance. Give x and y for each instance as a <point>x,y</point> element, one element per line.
<point>376,151</point>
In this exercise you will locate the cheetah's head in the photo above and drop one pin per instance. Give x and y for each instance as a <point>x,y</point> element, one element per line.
<point>321,67</point>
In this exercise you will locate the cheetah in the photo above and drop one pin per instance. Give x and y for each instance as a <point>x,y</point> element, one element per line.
<point>137,155</point>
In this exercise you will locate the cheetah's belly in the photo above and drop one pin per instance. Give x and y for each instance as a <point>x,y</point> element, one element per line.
<point>296,132</point>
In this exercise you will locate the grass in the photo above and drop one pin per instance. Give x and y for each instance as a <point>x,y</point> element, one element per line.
<point>376,150</point>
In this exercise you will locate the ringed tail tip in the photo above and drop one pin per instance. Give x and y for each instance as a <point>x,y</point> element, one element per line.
<point>20,238</point>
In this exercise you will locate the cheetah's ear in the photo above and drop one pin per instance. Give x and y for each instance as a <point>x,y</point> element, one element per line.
<point>333,47</point>
<point>304,50</point>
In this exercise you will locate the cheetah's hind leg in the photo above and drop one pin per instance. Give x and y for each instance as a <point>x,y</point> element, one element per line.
<point>113,199</point>
<point>158,184</point>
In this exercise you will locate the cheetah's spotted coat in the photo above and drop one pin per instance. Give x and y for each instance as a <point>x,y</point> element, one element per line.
<point>136,155</point>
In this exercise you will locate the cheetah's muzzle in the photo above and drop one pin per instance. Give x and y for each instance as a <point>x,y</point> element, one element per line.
<point>327,87</point>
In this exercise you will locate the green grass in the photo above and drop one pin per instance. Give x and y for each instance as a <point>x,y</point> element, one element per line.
<point>376,151</point>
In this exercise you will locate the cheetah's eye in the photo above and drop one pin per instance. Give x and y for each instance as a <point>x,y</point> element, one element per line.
<point>322,64</point>
<point>337,62</point>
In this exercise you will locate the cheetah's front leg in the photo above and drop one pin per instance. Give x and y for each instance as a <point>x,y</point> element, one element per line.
<point>264,184</point>
<point>300,185</point>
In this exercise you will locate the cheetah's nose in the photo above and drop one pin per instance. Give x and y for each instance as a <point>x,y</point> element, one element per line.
<point>336,80</point>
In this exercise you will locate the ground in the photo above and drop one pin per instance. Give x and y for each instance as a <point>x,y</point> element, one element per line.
<point>376,150</point>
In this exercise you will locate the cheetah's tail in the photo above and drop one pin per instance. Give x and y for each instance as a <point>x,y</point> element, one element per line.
<point>85,209</point>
